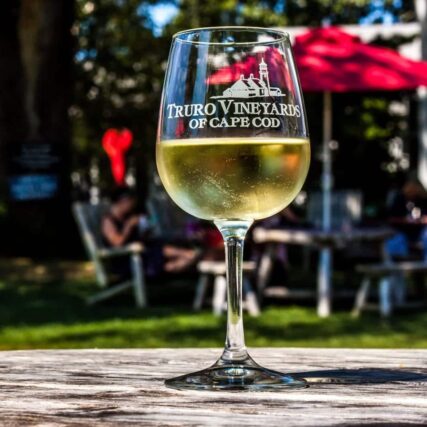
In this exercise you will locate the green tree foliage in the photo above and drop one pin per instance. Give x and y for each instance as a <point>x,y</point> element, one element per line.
<point>120,63</point>
<point>195,13</point>
<point>119,68</point>
<point>316,12</point>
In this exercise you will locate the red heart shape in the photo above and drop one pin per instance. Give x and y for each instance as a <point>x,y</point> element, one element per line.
<point>115,144</point>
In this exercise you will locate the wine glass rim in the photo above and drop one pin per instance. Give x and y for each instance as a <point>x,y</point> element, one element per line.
<point>282,35</point>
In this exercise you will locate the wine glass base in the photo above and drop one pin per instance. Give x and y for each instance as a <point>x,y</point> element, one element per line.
<point>241,375</point>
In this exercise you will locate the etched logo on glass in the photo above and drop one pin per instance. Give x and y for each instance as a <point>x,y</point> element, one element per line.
<point>252,87</point>
<point>238,106</point>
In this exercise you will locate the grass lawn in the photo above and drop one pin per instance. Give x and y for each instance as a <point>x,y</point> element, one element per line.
<point>54,316</point>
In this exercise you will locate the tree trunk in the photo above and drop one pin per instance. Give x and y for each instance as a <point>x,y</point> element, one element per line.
<point>35,93</point>
<point>12,116</point>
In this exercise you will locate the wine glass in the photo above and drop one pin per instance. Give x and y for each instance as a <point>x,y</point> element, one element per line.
<point>232,148</point>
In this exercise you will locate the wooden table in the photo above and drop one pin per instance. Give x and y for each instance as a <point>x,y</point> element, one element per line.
<point>326,242</point>
<point>125,387</point>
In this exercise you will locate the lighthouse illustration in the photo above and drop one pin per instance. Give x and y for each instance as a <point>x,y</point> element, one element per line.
<point>252,87</point>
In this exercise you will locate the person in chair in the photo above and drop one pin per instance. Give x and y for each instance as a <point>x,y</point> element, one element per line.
<point>121,226</point>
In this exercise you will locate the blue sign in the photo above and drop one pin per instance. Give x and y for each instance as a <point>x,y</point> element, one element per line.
<point>33,187</point>
<point>34,170</point>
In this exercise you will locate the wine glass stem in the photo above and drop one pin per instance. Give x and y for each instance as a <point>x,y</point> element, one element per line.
<point>233,233</point>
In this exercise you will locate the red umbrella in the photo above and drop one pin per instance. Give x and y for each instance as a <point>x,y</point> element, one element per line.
<point>329,59</point>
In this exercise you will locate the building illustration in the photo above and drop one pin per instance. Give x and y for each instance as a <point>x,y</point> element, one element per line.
<point>252,87</point>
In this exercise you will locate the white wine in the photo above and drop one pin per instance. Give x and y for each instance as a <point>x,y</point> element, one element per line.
<point>233,178</point>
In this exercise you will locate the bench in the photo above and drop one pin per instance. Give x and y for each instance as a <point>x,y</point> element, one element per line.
<point>215,272</point>
<point>391,285</point>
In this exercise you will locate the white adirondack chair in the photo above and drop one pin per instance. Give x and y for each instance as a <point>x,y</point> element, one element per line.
<point>88,218</point>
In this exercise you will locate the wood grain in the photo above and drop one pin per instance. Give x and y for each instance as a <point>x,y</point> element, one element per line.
<point>115,387</point>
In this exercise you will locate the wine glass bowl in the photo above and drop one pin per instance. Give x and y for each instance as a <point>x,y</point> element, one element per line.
<point>233,178</point>
<point>232,147</point>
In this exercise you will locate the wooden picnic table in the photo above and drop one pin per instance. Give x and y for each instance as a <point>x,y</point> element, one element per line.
<point>321,238</point>
<point>348,387</point>
<point>326,242</point>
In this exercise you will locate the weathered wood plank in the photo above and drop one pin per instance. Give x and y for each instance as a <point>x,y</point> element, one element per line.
<point>112,387</point>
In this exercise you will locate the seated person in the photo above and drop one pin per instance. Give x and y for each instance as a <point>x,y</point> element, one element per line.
<point>407,213</point>
<point>208,237</point>
<point>121,225</point>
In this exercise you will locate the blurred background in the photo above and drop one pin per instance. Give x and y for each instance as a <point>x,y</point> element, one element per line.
<point>80,79</point>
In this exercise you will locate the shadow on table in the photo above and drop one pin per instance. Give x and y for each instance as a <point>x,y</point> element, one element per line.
<point>360,376</point>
